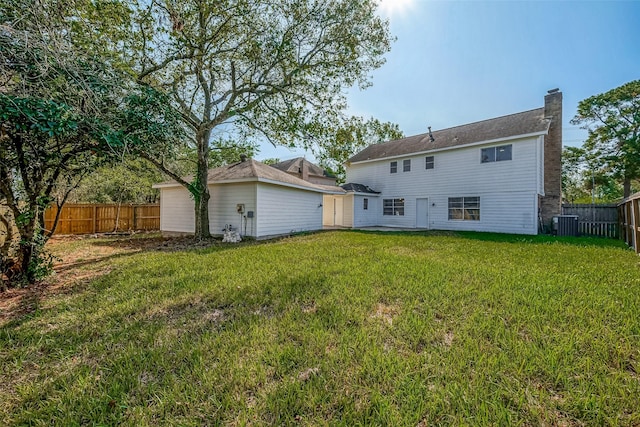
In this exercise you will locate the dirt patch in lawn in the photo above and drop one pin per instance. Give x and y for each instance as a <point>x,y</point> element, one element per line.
<point>81,259</point>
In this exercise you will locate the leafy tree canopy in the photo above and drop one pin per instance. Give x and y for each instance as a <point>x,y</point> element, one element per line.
<point>243,70</point>
<point>352,136</point>
<point>613,121</point>
<point>64,108</point>
<point>585,179</point>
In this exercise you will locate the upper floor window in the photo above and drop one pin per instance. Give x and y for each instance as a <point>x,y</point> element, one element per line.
<point>429,162</point>
<point>393,168</point>
<point>365,204</point>
<point>406,165</point>
<point>393,207</point>
<point>495,154</point>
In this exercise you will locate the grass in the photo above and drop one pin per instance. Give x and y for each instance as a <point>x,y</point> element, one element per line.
<point>337,328</point>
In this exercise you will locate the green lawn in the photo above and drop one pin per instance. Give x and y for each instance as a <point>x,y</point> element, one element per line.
<point>338,328</point>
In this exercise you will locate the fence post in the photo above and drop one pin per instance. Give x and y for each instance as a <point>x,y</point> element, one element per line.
<point>95,219</point>
<point>135,217</point>
<point>636,224</point>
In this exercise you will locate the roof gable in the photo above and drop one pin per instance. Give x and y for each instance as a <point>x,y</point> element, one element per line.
<point>295,166</point>
<point>513,125</point>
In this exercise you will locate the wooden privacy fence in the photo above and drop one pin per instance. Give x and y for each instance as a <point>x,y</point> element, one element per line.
<point>595,220</point>
<point>90,219</point>
<point>629,214</point>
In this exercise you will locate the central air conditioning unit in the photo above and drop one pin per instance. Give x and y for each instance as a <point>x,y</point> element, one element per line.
<point>565,225</point>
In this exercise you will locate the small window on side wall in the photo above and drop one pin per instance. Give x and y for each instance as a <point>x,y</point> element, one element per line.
<point>393,167</point>
<point>406,165</point>
<point>429,162</point>
<point>365,204</point>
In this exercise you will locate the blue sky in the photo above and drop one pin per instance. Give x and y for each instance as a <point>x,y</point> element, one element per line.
<point>460,62</point>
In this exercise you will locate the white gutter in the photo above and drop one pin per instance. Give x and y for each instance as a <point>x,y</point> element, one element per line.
<point>254,179</point>
<point>357,193</point>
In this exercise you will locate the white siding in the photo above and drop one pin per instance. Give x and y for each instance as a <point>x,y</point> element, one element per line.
<point>369,217</point>
<point>507,189</point>
<point>347,213</point>
<point>499,212</point>
<point>282,210</point>
<point>222,207</point>
<point>176,210</point>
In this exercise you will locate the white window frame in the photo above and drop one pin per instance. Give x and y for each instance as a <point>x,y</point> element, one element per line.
<point>406,165</point>
<point>464,208</point>
<point>393,167</point>
<point>393,207</point>
<point>492,154</point>
<point>430,162</point>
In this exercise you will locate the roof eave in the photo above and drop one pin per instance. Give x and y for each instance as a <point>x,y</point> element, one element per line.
<point>300,187</point>
<point>454,147</point>
<point>358,193</point>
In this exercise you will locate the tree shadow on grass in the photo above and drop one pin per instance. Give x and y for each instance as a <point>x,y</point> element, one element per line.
<point>19,304</point>
<point>131,357</point>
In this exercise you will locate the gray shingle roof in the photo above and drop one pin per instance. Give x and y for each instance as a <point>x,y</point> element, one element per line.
<point>527,122</point>
<point>358,188</point>
<point>252,170</point>
<point>295,166</point>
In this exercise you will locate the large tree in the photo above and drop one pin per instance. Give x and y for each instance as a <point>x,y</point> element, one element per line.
<point>585,179</point>
<point>613,121</point>
<point>273,70</point>
<point>63,109</point>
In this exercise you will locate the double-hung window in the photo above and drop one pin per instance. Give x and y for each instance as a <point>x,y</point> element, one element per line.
<point>464,208</point>
<point>365,204</point>
<point>429,162</point>
<point>393,167</point>
<point>393,207</point>
<point>406,165</point>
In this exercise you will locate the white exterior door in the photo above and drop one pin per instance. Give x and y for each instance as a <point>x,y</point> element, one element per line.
<point>338,210</point>
<point>422,213</point>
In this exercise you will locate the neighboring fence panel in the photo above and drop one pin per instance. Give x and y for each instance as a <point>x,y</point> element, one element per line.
<point>602,229</point>
<point>629,211</point>
<point>595,220</point>
<point>89,219</point>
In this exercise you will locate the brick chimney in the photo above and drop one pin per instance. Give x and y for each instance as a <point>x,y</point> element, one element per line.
<point>551,203</point>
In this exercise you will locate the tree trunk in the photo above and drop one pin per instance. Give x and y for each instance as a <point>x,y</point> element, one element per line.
<point>26,251</point>
<point>6,255</point>
<point>31,245</point>
<point>201,189</point>
<point>626,186</point>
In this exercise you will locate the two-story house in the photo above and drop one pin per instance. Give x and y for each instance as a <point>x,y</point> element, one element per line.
<point>500,175</point>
